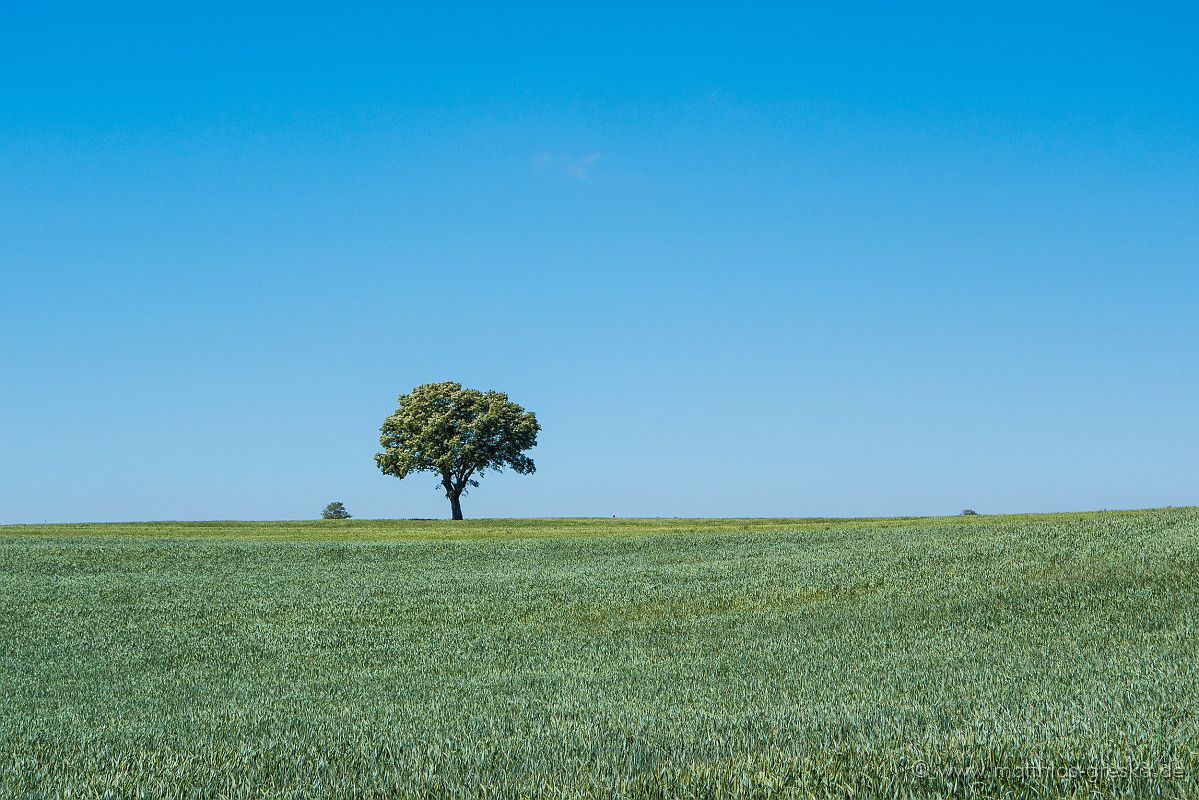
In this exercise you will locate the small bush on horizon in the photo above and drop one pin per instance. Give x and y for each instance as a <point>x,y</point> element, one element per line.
<point>335,510</point>
<point>969,512</point>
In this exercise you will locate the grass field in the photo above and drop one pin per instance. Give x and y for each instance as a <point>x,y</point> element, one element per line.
<point>1021,656</point>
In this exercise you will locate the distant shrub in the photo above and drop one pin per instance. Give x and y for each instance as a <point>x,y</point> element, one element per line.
<point>969,512</point>
<point>335,510</point>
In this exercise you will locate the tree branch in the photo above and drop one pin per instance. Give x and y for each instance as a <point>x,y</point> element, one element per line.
<point>463,478</point>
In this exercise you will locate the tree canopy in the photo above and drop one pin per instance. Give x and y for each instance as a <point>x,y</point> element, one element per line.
<point>335,510</point>
<point>457,434</point>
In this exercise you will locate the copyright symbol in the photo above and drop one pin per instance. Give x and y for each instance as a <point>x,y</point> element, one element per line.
<point>920,769</point>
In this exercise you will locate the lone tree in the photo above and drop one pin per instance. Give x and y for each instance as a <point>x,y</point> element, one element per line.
<point>457,434</point>
<point>335,510</point>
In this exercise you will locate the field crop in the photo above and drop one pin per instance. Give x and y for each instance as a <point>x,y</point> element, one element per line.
<point>1021,656</point>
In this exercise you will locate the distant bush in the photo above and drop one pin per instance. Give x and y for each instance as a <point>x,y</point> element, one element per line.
<point>969,512</point>
<point>335,510</point>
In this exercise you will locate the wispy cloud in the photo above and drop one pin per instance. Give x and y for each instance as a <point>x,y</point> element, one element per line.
<point>572,166</point>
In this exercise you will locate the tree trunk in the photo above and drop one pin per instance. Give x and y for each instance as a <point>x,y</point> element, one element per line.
<point>455,505</point>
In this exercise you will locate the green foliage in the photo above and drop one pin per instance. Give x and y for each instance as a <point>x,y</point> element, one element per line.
<point>969,512</point>
<point>456,434</point>
<point>1016,656</point>
<point>335,510</point>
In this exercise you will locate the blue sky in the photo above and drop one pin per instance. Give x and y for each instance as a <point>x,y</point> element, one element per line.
<point>752,261</point>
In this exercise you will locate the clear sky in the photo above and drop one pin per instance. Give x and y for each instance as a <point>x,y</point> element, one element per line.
<point>800,259</point>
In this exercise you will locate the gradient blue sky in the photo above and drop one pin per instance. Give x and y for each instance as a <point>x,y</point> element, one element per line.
<point>761,260</point>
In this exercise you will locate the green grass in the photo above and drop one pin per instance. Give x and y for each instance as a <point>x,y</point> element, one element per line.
<point>1016,656</point>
